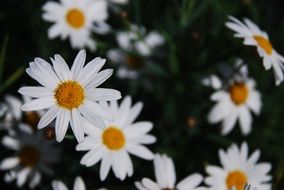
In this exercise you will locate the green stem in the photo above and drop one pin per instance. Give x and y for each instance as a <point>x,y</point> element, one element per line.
<point>2,56</point>
<point>11,79</point>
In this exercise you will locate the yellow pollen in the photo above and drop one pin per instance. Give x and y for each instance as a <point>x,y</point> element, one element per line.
<point>69,94</point>
<point>134,62</point>
<point>239,93</point>
<point>29,156</point>
<point>236,179</point>
<point>264,44</point>
<point>75,18</point>
<point>113,138</point>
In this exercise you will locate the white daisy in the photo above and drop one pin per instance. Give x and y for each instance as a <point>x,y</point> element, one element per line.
<point>166,177</point>
<point>78,184</point>
<point>75,19</point>
<point>234,102</point>
<point>33,156</point>
<point>118,137</point>
<point>253,36</point>
<point>13,116</point>
<point>134,48</point>
<point>238,169</point>
<point>11,112</point>
<point>69,94</point>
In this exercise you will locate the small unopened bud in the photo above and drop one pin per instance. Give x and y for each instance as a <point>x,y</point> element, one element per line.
<point>49,133</point>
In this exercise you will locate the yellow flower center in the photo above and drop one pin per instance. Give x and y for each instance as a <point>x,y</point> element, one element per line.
<point>264,44</point>
<point>75,18</point>
<point>29,156</point>
<point>113,138</point>
<point>69,94</point>
<point>239,93</point>
<point>134,62</point>
<point>236,179</point>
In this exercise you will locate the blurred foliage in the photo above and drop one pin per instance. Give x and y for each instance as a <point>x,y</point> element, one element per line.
<point>197,44</point>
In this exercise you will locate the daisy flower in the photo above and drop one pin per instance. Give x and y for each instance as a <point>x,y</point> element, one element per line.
<point>78,184</point>
<point>69,95</point>
<point>253,36</point>
<point>33,155</point>
<point>166,177</point>
<point>75,19</point>
<point>13,116</point>
<point>234,102</point>
<point>113,141</point>
<point>134,48</point>
<point>238,169</point>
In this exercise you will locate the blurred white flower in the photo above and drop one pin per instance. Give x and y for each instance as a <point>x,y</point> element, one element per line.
<point>234,102</point>
<point>78,184</point>
<point>75,19</point>
<point>113,141</point>
<point>238,169</point>
<point>253,36</point>
<point>135,46</point>
<point>69,95</point>
<point>33,156</point>
<point>166,177</point>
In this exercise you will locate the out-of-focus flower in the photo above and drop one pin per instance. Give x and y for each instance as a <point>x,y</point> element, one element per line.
<point>78,184</point>
<point>33,157</point>
<point>113,141</point>
<point>13,116</point>
<point>234,102</point>
<point>253,36</point>
<point>238,169</point>
<point>69,95</point>
<point>166,177</point>
<point>75,19</point>
<point>134,48</point>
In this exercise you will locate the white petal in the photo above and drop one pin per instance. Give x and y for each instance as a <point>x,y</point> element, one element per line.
<point>96,109</point>
<point>35,181</point>
<point>245,119</point>
<point>9,163</point>
<point>11,143</point>
<point>58,185</point>
<point>48,117</point>
<point>79,184</point>
<point>190,182</point>
<point>35,91</point>
<point>149,184</point>
<point>77,125</point>
<point>105,167</point>
<point>22,176</point>
<point>38,104</point>
<point>134,112</point>
<point>61,124</point>
<point>103,94</point>
<point>140,151</point>
<point>91,117</point>
<point>229,122</point>
<point>99,78</point>
<point>78,64</point>
<point>61,68</point>
<point>92,157</point>
<point>15,106</point>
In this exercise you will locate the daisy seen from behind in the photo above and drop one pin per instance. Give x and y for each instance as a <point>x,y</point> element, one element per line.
<point>166,177</point>
<point>78,184</point>
<point>237,169</point>
<point>75,19</point>
<point>69,94</point>
<point>33,157</point>
<point>135,46</point>
<point>253,36</point>
<point>116,139</point>
<point>235,102</point>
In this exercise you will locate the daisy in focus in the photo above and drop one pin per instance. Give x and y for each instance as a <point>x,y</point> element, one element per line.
<point>253,36</point>
<point>112,142</point>
<point>75,19</point>
<point>166,177</point>
<point>33,156</point>
<point>238,169</point>
<point>78,184</point>
<point>235,102</point>
<point>135,46</point>
<point>69,95</point>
